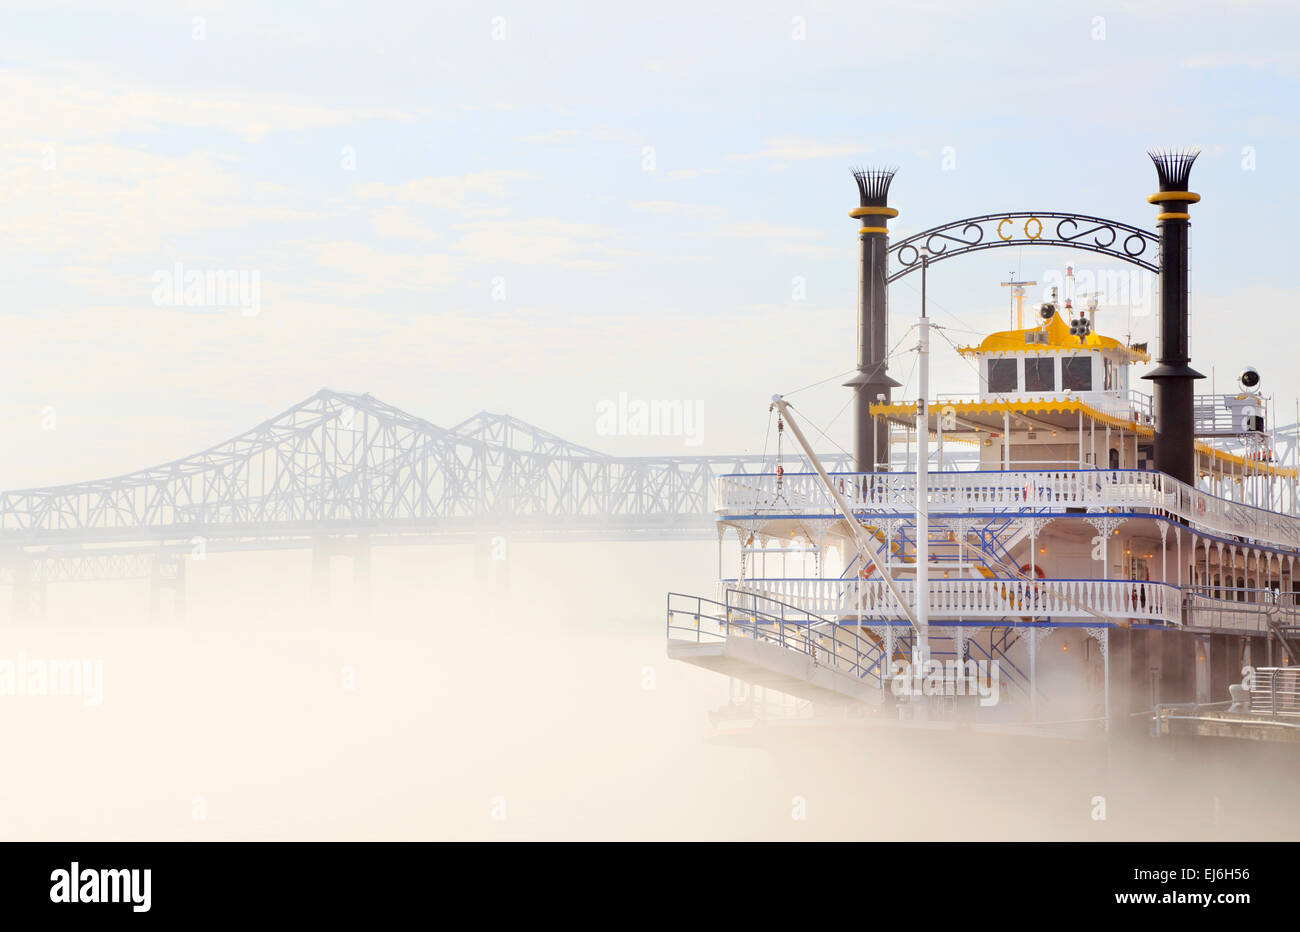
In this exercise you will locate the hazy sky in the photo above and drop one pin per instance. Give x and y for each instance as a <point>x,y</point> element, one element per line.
<point>532,208</point>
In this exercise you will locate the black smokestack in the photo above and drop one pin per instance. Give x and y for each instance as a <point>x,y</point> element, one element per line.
<point>1175,442</point>
<point>871,445</point>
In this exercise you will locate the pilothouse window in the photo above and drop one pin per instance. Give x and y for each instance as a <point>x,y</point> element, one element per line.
<point>1040,375</point>
<point>1076,373</point>
<point>1002,376</point>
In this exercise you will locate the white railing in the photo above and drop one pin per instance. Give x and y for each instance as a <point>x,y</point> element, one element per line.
<point>1206,612</point>
<point>1255,610</point>
<point>1130,405</point>
<point>961,599</point>
<point>1133,406</point>
<point>1276,691</point>
<point>1025,490</point>
<point>752,615</point>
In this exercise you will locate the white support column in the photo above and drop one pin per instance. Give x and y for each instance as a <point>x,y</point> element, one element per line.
<point>923,494</point>
<point>1102,637</point>
<point>859,588</point>
<point>1033,674</point>
<point>938,421</point>
<point>1006,441</point>
<point>1164,552</point>
<point>1035,635</point>
<point>1105,667</point>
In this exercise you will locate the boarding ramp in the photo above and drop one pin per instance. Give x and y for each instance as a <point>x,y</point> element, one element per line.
<point>775,645</point>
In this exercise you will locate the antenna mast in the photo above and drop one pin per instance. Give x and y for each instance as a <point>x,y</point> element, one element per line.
<point>1018,295</point>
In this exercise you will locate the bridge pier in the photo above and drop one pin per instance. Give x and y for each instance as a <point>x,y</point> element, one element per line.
<point>492,562</point>
<point>28,586</point>
<point>167,572</point>
<point>324,549</point>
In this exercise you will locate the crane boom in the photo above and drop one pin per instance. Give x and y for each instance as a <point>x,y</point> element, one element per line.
<point>859,536</point>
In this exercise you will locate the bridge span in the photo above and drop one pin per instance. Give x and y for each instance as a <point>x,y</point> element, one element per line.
<point>340,473</point>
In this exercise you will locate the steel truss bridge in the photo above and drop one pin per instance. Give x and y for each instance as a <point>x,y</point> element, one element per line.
<point>340,472</point>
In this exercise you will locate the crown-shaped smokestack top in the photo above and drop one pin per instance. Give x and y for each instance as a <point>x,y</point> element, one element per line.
<point>1174,166</point>
<point>873,184</point>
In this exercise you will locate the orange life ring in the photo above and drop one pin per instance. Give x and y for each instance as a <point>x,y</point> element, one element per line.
<point>1038,570</point>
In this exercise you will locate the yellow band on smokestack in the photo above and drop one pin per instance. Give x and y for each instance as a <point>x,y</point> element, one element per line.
<point>873,212</point>
<point>1159,196</point>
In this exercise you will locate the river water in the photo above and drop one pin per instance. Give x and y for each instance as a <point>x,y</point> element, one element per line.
<point>523,698</point>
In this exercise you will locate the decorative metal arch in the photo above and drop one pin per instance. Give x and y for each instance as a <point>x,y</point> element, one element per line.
<point>1028,228</point>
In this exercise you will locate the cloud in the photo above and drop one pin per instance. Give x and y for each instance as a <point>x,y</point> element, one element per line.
<point>538,241</point>
<point>686,173</point>
<point>1282,63</point>
<point>379,272</point>
<point>768,231</point>
<point>1273,125</point>
<point>396,222</point>
<point>82,102</point>
<point>569,137</point>
<point>780,239</point>
<point>675,209</point>
<point>101,202</point>
<point>450,192</point>
<point>1227,60</point>
<point>798,149</point>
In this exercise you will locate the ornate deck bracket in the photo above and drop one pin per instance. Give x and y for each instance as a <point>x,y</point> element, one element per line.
<point>1027,228</point>
<point>1101,636</point>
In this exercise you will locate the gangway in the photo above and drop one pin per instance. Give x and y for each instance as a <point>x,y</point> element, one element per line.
<point>777,646</point>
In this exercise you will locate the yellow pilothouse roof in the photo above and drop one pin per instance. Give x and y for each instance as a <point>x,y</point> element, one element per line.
<point>1054,336</point>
